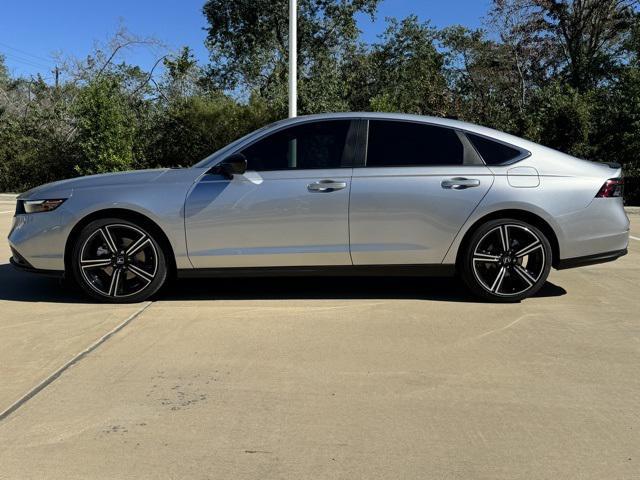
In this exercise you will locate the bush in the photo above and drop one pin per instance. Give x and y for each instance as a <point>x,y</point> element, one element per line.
<point>189,129</point>
<point>106,130</point>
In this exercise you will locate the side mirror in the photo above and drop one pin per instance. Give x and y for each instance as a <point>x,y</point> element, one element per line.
<point>236,164</point>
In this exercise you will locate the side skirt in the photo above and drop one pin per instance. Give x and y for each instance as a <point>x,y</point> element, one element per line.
<point>437,270</point>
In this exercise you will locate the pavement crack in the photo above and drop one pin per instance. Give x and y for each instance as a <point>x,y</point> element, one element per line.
<point>76,358</point>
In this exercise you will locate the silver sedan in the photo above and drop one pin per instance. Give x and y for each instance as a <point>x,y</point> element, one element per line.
<point>334,194</point>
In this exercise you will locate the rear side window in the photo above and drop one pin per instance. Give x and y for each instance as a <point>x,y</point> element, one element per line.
<point>308,146</point>
<point>403,144</point>
<point>493,153</point>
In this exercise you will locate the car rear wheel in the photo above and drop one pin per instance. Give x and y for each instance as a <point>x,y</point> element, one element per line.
<point>115,260</point>
<point>506,260</point>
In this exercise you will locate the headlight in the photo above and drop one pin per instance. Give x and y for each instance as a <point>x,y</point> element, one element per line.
<point>37,206</point>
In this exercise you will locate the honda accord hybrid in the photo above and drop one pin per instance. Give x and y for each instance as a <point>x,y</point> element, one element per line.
<point>334,194</point>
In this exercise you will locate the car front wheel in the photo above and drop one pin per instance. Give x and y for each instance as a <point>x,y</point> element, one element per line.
<point>116,261</point>
<point>506,260</point>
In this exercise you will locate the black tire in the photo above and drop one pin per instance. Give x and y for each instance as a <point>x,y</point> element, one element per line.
<point>507,275</point>
<point>118,261</point>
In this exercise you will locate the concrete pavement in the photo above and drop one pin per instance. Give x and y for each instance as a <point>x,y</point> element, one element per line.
<point>320,378</point>
<point>43,325</point>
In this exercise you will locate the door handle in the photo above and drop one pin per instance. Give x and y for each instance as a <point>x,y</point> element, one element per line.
<point>460,183</point>
<point>326,186</point>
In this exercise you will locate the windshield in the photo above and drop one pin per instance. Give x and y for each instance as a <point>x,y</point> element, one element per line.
<point>231,146</point>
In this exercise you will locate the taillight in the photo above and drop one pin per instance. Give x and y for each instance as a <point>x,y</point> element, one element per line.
<point>611,188</point>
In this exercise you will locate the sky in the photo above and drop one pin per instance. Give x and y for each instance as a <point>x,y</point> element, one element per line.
<point>33,32</point>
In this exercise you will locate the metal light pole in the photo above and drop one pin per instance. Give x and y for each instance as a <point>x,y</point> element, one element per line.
<point>293,58</point>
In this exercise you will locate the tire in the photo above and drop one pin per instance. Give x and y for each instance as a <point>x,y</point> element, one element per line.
<point>118,261</point>
<point>506,275</point>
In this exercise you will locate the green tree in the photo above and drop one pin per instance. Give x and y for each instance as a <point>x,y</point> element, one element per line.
<point>183,77</point>
<point>191,128</point>
<point>105,128</point>
<point>4,73</point>
<point>408,70</point>
<point>486,87</point>
<point>583,40</point>
<point>562,118</point>
<point>617,131</point>
<point>248,45</point>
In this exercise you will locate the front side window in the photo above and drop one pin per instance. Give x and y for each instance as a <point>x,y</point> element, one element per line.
<point>308,146</point>
<point>402,144</point>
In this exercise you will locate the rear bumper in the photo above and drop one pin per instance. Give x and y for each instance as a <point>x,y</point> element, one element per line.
<point>601,227</point>
<point>590,259</point>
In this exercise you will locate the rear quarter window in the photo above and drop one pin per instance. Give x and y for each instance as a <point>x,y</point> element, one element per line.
<point>492,152</point>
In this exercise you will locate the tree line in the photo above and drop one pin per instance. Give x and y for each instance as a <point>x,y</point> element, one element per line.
<point>564,73</point>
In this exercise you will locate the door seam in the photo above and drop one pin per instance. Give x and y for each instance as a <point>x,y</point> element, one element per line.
<point>349,216</point>
<point>493,179</point>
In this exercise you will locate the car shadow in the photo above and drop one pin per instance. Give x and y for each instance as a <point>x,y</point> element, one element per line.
<point>25,287</point>
<point>19,286</point>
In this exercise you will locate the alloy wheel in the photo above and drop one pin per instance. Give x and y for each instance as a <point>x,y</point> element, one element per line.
<point>508,260</point>
<point>118,260</point>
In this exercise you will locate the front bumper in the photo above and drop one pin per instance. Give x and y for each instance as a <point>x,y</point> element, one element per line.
<point>40,239</point>
<point>24,266</point>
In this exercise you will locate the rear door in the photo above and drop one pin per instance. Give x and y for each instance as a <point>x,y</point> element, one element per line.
<point>419,185</point>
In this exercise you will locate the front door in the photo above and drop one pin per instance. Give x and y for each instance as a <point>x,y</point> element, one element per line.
<point>289,209</point>
<point>420,184</point>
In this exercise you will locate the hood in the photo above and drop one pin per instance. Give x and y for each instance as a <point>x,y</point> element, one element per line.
<point>64,188</point>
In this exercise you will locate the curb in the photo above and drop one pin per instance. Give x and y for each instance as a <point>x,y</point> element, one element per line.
<point>632,210</point>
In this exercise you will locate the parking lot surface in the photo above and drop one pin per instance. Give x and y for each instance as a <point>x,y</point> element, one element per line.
<point>322,378</point>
